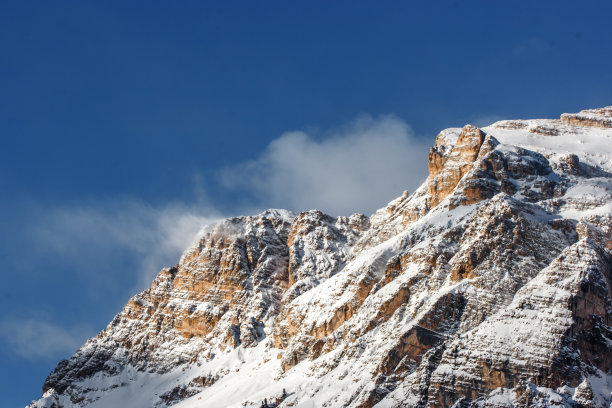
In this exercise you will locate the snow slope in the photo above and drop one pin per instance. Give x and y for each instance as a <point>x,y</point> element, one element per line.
<point>491,285</point>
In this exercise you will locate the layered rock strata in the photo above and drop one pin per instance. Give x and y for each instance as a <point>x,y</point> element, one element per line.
<point>490,285</point>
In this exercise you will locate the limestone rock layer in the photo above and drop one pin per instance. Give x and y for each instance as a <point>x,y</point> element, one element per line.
<point>490,285</point>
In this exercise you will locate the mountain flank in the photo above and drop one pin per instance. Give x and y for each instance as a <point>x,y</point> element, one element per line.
<point>488,286</point>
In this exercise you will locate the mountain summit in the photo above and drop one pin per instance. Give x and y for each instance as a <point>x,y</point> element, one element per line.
<point>490,285</point>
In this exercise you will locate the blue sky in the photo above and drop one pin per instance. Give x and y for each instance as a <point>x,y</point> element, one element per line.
<point>127,125</point>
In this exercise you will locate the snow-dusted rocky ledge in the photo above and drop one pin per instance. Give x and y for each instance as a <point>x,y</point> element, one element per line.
<point>491,285</point>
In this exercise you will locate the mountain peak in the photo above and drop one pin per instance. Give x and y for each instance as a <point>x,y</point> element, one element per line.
<point>490,285</point>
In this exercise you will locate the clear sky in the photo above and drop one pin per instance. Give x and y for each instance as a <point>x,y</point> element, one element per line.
<point>126,126</point>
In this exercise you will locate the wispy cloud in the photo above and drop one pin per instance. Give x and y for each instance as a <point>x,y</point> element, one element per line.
<point>357,168</point>
<point>33,339</point>
<point>128,234</point>
<point>97,247</point>
<point>124,242</point>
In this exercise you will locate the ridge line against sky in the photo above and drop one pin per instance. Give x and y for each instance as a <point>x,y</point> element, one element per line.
<point>126,122</point>
<point>290,173</point>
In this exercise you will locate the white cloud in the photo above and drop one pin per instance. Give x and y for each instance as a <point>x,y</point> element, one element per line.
<point>104,253</point>
<point>118,246</point>
<point>358,168</point>
<point>97,240</point>
<point>125,242</point>
<point>31,338</point>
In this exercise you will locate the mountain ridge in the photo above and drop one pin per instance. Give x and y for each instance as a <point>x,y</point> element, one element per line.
<point>490,285</point>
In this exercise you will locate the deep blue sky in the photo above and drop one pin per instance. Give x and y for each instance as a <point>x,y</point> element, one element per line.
<point>111,109</point>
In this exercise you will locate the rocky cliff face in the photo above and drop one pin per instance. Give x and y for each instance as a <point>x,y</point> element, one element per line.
<point>491,285</point>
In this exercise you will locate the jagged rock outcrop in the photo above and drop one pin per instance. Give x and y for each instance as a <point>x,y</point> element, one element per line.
<point>490,285</point>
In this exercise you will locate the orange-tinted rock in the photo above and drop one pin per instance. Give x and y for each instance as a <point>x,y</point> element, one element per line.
<point>417,305</point>
<point>446,171</point>
<point>409,349</point>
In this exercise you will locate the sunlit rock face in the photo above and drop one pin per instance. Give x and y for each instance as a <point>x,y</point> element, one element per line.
<point>490,285</point>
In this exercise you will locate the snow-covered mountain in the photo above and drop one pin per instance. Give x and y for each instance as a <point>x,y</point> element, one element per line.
<point>490,285</point>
